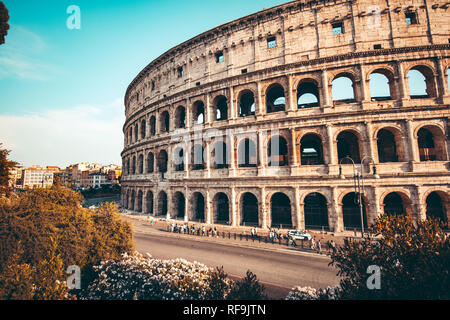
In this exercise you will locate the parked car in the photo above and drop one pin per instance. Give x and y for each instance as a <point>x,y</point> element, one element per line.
<point>299,235</point>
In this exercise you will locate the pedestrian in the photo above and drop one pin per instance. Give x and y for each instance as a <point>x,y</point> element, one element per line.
<point>253,233</point>
<point>313,243</point>
<point>319,247</point>
<point>203,231</point>
<point>333,246</point>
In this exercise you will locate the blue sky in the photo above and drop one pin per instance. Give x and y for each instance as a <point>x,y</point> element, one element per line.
<point>61,90</point>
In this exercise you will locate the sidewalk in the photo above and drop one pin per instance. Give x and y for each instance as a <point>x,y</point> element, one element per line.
<point>230,235</point>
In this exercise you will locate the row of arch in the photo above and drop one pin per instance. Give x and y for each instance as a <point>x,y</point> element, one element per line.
<point>316,208</point>
<point>382,86</point>
<point>431,143</point>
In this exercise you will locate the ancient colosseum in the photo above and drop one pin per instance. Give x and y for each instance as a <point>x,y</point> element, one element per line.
<point>272,119</point>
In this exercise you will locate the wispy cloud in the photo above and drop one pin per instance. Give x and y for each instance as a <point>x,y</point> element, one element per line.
<point>61,137</point>
<point>21,56</point>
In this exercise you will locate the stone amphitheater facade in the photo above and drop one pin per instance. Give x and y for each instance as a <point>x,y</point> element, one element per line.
<point>242,124</point>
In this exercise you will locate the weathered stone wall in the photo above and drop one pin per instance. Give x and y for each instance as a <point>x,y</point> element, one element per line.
<point>308,52</point>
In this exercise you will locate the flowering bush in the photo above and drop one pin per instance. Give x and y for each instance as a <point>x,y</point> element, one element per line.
<point>144,278</point>
<point>308,293</point>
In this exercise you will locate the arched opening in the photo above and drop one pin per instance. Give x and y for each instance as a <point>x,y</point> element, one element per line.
<point>221,108</point>
<point>316,212</point>
<point>128,166</point>
<point>134,165</point>
<point>141,164</point>
<point>278,152</point>
<point>351,211</point>
<point>143,128</point>
<point>280,206</point>
<point>308,95</point>
<point>152,125</point>
<point>393,204</point>
<point>247,104</point>
<point>436,209</point>
<point>221,209</point>
<point>421,83</point>
<point>220,156</point>
<point>249,210</point>
<point>198,205</point>
<point>162,204</point>
<point>348,145</point>
<point>198,160</point>
<point>132,200</point>
<point>130,136</point>
<point>381,85</point>
<point>139,201</point>
<point>162,161</point>
<point>180,117</point>
<point>431,143</point>
<point>387,148</point>
<point>343,89</point>
<point>178,160</point>
<point>247,156</point>
<point>311,150</point>
<point>149,202</point>
<point>164,122</point>
<point>150,163</point>
<point>275,100</point>
<point>199,112</point>
<point>127,200</point>
<point>180,204</point>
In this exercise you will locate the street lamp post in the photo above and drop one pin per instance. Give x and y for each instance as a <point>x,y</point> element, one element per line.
<point>358,178</point>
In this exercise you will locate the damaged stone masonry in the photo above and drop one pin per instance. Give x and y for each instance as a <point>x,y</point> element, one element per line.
<point>243,125</point>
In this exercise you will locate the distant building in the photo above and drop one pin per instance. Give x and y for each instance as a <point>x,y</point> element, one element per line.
<point>36,177</point>
<point>98,179</point>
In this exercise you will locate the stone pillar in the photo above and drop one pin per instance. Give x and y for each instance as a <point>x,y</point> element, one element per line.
<point>402,86</point>
<point>325,96</point>
<point>294,157</point>
<point>300,216</point>
<point>262,156</point>
<point>333,162</point>
<point>259,101</point>
<point>363,85</point>
<point>208,208</point>
<point>336,220</point>
<point>441,77</point>
<point>419,210</point>
<point>372,146</point>
<point>232,108</point>
<point>188,121</point>
<point>187,204</point>
<point>291,106</point>
<point>412,143</point>
<point>265,216</point>
<point>234,212</point>
<point>232,155</point>
<point>208,110</point>
<point>207,159</point>
<point>374,212</point>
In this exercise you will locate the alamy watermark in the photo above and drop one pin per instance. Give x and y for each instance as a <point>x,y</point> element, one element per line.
<point>74,20</point>
<point>374,280</point>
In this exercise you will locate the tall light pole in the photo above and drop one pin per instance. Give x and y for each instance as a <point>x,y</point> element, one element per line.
<point>358,179</point>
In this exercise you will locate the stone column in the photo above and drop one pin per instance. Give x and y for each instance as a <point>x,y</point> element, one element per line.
<point>259,101</point>
<point>294,161</point>
<point>207,159</point>
<point>208,110</point>
<point>336,220</point>
<point>325,96</point>
<point>403,94</point>
<point>300,216</point>
<point>234,213</point>
<point>412,143</point>
<point>232,156</point>
<point>188,113</point>
<point>265,217</point>
<point>363,85</point>
<point>292,106</point>
<point>208,208</point>
<point>333,162</point>
<point>262,163</point>
<point>232,108</point>
<point>371,142</point>
<point>442,84</point>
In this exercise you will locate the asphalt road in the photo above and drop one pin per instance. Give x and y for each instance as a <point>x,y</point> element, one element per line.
<point>279,271</point>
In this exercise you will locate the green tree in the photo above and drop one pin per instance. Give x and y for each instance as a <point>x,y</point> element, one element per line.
<point>5,168</point>
<point>47,230</point>
<point>413,257</point>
